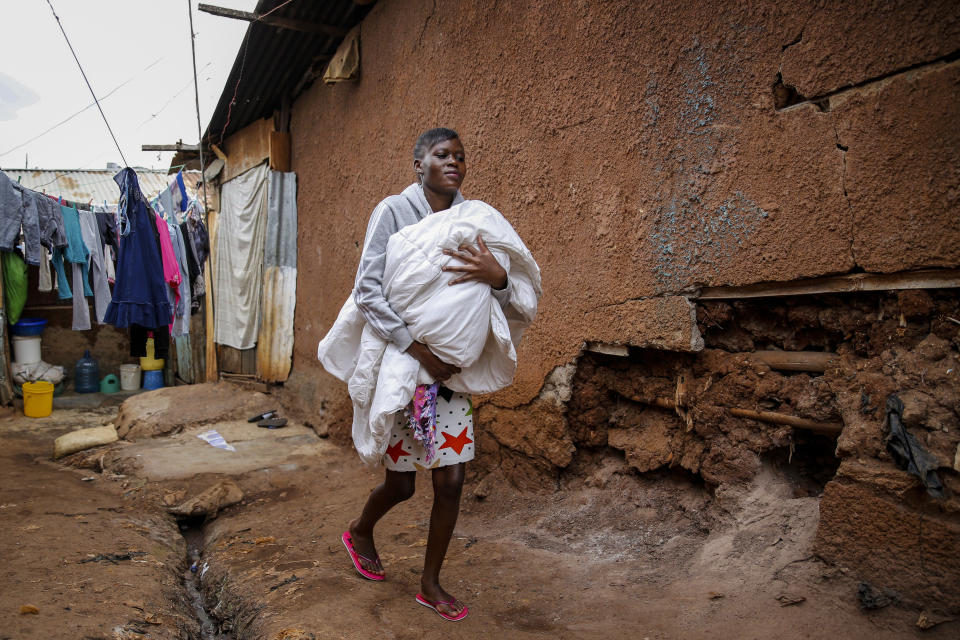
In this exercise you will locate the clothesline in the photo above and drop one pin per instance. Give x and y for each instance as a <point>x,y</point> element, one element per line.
<point>86,238</point>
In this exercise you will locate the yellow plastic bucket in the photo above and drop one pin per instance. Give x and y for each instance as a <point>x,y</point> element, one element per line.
<point>37,399</point>
<point>150,363</point>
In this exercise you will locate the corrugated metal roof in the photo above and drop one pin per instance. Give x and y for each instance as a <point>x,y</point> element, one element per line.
<point>97,185</point>
<point>271,61</point>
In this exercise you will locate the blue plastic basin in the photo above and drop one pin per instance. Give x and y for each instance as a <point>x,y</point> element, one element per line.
<point>28,327</point>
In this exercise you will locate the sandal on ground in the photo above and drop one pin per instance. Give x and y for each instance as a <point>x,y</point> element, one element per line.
<point>272,423</point>
<point>450,603</point>
<point>270,413</point>
<point>356,557</point>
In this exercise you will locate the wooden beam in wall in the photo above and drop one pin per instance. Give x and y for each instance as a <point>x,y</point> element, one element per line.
<point>927,279</point>
<point>274,21</point>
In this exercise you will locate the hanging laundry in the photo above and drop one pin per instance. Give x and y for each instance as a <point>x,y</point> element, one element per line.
<point>174,198</point>
<point>171,270</point>
<point>77,254</point>
<point>198,232</point>
<point>139,296</point>
<point>18,210</point>
<point>239,276</point>
<point>181,322</point>
<point>46,282</point>
<point>53,233</point>
<point>14,285</point>
<point>197,288</point>
<point>101,288</point>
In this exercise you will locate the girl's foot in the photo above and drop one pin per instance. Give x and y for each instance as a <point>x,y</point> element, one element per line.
<point>444,603</point>
<point>363,544</point>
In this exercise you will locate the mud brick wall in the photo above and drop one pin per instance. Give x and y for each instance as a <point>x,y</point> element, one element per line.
<point>643,151</point>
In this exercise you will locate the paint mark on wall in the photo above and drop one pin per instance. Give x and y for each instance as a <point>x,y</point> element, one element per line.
<point>693,237</point>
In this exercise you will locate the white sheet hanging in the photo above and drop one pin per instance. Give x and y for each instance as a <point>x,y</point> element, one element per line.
<point>239,264</point>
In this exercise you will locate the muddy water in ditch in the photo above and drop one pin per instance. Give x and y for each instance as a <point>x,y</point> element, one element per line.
<point>192,531</point>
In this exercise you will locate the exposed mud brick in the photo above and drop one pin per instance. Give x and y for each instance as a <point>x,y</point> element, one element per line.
<point>170,409</point>
<point>539,432</point>
<point>915,303</point>
<point>647,439</point>
<point>904,130</point>
<point>725,463</point>
<point>668,323</point>
<point>846,43</point>
<point>891,544</point>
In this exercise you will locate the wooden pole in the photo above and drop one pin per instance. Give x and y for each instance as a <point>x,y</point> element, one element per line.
<point>815,361</point>
<point>273,21</point>
<point>828,428</point>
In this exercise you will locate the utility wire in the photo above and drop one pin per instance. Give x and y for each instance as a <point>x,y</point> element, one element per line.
<point>196,96</point>
<point>77,113</point>
<point>243,62</point>
<point>83,73</point>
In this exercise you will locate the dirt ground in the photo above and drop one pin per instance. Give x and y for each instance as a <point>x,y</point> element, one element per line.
<point>615,554</point>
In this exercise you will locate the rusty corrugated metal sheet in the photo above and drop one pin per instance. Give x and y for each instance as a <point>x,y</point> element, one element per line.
<point>275,339</point>
<point>95,185</point>
<point>279,299</point>
<point>275,61</point>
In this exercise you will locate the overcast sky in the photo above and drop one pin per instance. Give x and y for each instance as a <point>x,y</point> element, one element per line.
<point>136,54</point>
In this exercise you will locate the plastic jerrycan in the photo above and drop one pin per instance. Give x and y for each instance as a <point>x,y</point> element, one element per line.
<point>87,374</point>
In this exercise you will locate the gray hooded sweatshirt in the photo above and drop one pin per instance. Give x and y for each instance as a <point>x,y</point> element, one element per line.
<point>391,215</point>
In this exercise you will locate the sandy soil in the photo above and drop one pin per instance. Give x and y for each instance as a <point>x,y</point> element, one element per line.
<point>610,555</point>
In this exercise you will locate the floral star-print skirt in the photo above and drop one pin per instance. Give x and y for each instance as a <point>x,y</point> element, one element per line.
<point>454,436</point>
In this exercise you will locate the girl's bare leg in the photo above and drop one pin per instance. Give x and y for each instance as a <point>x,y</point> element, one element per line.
<point>396,487</point>
<point>447,487</point>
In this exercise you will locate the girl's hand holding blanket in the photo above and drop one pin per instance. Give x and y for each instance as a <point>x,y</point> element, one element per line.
<point>479,265</point>
<point>437,368</point>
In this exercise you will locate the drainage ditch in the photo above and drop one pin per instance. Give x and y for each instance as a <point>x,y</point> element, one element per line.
<point>210,627</point>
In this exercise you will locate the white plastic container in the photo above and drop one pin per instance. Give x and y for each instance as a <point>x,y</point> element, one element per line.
<point>26,349</point>
<point>129,377</point>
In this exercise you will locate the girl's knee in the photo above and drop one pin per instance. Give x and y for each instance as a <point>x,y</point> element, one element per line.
<point>449,485</point>
<point>401,486</point>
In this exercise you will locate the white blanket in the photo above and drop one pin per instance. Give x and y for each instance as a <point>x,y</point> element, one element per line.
<point>462,324</point>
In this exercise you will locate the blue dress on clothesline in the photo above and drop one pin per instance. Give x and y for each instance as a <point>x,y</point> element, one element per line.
<point>140,293</point>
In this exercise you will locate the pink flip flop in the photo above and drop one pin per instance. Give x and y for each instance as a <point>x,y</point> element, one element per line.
<point>355,557</point>
<point>445,616</point>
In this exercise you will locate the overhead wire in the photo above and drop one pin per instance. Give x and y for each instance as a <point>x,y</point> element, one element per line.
<point>196,96</point>
<point>84,109</point>
<point>243,62</point>
<point>84,74</point>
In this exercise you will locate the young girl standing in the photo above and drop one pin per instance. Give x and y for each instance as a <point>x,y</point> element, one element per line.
<point>439,162</point>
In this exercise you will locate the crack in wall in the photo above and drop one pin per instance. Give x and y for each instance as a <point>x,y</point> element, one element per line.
<point>851,223</point>
<point>426,22</point>
<point>786,96</point>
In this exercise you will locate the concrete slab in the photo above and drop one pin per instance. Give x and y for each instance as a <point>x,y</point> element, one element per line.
<point>184,455</point>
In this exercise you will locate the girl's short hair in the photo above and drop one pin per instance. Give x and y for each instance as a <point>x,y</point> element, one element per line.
<point>429,138</point>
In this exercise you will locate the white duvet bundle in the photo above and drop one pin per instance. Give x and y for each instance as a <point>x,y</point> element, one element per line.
<point>462,324</point>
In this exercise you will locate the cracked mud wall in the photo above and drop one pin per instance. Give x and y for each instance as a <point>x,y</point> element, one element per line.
<point>640,153</point>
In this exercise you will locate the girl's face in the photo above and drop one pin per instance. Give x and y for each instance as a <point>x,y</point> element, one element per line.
<point>443,167</point>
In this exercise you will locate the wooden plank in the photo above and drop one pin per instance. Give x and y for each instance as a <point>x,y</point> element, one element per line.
<point>815,361</point>
<point>927,279</point>
<point>212,368</point>
<point>248,361</point>
<point>274,21</point>
<point>608,349</point>
<point>180,146</point>
<point>279,151</point>
<point>231,360</point>
<point>246,148</point>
